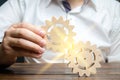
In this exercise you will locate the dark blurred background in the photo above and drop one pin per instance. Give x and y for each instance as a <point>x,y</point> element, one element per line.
<point>2,1</point>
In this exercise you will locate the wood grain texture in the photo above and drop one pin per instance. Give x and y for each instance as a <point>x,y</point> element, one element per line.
<point>24,71</point>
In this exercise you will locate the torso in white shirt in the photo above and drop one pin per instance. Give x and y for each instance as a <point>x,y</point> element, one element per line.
<point>92,23</point>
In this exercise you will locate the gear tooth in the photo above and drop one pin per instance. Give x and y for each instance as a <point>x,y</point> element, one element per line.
<point>97,65</point>
<point>74,33</point>
<point>79,44</point>
<point>48,23</point>
<point>81,73</point>
<point>100,59</point>
<point>75,70</point>
<point>87,73</point>
<point>67,23</point>
<point>71,65</point>
<point>54,19</point>
<point>92,70</point>
<point>82,44</point>
<point>88,43</point>
<point>44,27</point>
<point>94,46</point>
<point>98,52</point>
<point>60,19</point>
<point>72,27</point>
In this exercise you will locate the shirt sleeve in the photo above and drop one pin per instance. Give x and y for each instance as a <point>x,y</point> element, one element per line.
<point>10,13</point>
<point>114,55</point>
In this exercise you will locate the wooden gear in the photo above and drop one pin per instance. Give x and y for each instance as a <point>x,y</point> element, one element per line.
<point>59,34</point>
<point>84,58</point>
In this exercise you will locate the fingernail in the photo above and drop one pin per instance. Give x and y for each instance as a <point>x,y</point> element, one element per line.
<point>42,32</point>
<point>43,42</point>
<point>42,50</point>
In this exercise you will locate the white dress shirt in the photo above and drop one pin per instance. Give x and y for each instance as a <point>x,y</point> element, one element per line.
<point>97,21</point>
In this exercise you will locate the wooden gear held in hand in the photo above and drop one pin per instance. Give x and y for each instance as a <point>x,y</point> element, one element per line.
<point>59,34</point>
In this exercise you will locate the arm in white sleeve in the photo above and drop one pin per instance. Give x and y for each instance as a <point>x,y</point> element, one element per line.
<point>10,13</point>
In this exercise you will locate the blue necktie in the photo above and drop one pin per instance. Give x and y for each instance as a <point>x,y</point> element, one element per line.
<point>66,6</point>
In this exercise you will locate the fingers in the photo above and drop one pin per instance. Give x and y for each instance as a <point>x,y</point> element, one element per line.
<point>25,52</point>
<point>24,40</point>
<point>12,50</point>
<point>28,35</point>
<point>21,52</point>
<point>30,27</point>
<point>25,44</point>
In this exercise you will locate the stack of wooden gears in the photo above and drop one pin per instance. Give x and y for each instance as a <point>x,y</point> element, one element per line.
<point>83,58</point>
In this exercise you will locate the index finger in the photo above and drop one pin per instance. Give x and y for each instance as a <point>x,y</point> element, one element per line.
<point>32,28</point>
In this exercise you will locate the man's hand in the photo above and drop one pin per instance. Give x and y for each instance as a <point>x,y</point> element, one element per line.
<point>23,40</point>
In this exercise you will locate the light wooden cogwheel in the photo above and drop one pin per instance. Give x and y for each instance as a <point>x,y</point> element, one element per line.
<point>84,58</point>
<point>59,34</point>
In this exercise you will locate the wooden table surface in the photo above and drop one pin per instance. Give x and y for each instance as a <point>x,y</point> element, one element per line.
<point>25,71</point>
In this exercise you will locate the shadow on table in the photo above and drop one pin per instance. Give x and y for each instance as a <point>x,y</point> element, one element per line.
<point>6,71</point>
